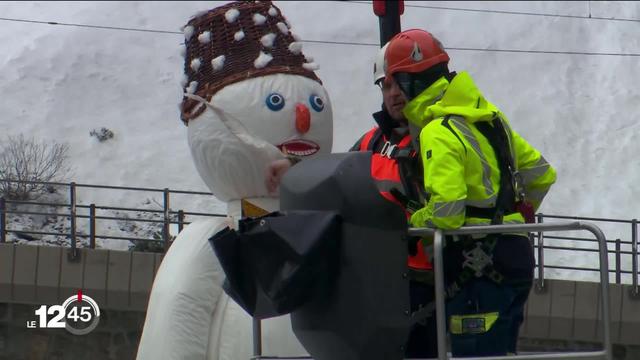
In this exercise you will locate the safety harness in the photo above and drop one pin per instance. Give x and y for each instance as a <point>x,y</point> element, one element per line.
<point>478,253</point>
<point>409,166</point>
<point>511,190</point>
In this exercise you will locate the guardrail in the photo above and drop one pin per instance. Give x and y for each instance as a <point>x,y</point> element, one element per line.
<point>438,236</point>
<point>438,244</point>
<point>169,216</point>
<point>77,210</point>
<point>618,252</point>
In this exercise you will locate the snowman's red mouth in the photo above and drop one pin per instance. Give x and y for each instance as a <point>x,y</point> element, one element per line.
<point>299,147</point>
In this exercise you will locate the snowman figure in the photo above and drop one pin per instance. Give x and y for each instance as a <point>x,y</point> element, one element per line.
<point>251,100</point>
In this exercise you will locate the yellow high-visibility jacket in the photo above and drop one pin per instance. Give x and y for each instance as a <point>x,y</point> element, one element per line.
<point>460,167</point>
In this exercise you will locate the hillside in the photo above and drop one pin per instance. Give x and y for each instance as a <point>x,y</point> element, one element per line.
<point>568,84</point>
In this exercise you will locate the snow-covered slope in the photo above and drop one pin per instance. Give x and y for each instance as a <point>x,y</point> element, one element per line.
<point>580,111</point>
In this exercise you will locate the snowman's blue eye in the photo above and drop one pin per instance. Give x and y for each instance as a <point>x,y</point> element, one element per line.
<point>316,103</point>
<point>275,101</point>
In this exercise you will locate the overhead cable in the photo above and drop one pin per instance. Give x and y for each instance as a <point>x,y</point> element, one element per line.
<point>346,43</point>
<point>506,12</point>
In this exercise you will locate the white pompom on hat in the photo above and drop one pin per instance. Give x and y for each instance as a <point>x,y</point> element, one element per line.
<point>234,42</point>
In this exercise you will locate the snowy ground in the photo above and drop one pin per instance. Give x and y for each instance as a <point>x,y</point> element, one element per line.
<point>580,110</point>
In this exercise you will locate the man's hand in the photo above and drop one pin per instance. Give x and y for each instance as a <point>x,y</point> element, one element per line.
<point>274,174</point>
<point>419,218</point>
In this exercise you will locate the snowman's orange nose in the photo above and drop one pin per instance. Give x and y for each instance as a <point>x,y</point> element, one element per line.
<point>303,118</point>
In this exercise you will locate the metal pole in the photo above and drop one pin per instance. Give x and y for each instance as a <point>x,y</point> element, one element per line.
<point>618,265</point>
<point>540,283</point>
<point>604,285</point>
<point>257,337</point>
<point>3,221</point>
<point>92,226</point>
<point>634,257</point>
<point>180,220</point>
<point>165,226</point>
<point>440,294</point>
<point>388,17</point>
<point>73,255</point>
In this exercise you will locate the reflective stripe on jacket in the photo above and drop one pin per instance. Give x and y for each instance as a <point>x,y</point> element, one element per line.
<point>460,168</point>
<point>385,172</point>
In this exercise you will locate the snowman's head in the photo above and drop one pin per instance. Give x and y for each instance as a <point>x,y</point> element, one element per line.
<point>291,112</point>
<point>251,97</point>
<point>254,122</point>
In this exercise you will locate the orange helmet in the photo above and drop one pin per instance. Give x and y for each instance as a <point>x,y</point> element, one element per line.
<point>413,51</point>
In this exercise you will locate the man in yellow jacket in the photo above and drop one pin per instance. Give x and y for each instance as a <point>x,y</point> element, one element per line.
<point>477,171</point>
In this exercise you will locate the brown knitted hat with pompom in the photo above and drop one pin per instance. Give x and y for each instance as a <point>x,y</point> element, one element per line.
<point>234,42</point>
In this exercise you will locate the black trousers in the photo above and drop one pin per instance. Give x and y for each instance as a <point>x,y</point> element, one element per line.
<point>473,305</point>
<point>422,341</point>
<point>513,258</point>
<point>481,297</point>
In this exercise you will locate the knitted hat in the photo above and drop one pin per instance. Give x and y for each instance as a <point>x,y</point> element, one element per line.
<point>235,42</point>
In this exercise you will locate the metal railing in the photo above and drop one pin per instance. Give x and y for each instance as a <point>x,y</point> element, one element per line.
<point>438,236</point>
<point>438,244</point>
<point>540,246</point>
<point>169,216</point>
<point>90,212</point>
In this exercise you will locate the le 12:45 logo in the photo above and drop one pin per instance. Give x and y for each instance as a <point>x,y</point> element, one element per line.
<point>79,315</point>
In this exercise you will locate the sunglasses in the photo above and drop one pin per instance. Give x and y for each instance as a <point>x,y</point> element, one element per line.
<point>409,84</point>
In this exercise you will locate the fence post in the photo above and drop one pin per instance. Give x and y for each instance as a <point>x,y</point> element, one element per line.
<point>257,338</point>
<point>165,227</point>
<point>618,265</point>
<point>3,221</point>
<point>73,254</point>
<point>180,220</point>
<point>540,283</point>
<point>634,258</point>
<point>92,226</point>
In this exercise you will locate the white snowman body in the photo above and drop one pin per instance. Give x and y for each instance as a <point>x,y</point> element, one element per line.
<point>246,126</point>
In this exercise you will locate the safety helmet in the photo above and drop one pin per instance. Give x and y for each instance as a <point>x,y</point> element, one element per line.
<point>378,65</point>
<point>413,51</point>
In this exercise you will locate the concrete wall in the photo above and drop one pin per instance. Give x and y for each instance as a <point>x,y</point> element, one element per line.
<point>570,310</point>
<point>565,313</point>
<point>118,280</point>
